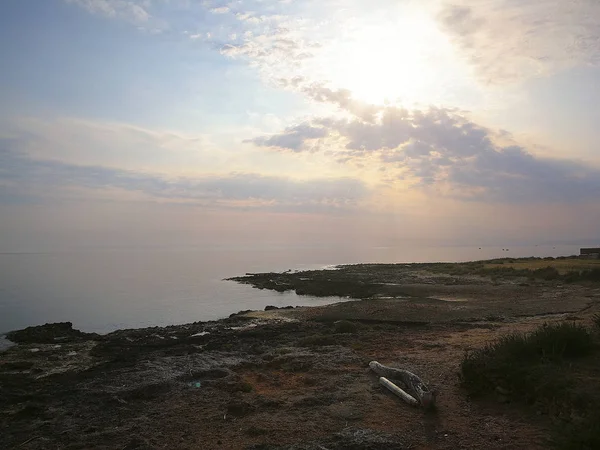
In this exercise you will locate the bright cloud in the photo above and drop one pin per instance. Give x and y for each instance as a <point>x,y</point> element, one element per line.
<point>509,40</point>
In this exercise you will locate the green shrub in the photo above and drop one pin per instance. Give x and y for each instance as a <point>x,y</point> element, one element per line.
<point>526,365</point>
<point>540,368</point>
<point>590,275</point>
<point>571,277</point>
<point>546,273</point>
<point>564,340</point>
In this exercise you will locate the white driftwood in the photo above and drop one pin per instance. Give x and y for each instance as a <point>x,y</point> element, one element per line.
<point>399,392</point>
<point>412,383</point>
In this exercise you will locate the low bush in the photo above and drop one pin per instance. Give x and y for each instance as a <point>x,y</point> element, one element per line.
<point>541,369</point>
<point>546,273</point>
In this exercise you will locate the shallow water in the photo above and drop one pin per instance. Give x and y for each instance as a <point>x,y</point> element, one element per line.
<point>5,344</point>
<point>108,289</point>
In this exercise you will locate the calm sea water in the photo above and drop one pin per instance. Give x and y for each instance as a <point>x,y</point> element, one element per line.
<point>104,290</point>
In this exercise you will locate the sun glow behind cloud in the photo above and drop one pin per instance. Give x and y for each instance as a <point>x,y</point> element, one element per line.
<point>403,58</point>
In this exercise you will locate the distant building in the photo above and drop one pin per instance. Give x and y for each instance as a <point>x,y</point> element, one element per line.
<point>590,252</point>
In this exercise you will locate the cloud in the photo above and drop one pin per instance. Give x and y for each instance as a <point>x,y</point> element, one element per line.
<point>115,144</point>
<point>220,10</point>
<point>442,152</point>
<point>273,48</point>
<point>130,10</point>
<point>433,149</point>
<point>341,98</point>
<point>22,176</point>
<point>511,40</point>
<point>270,37</point>
<point>511,174</point>
<point>293,138</point>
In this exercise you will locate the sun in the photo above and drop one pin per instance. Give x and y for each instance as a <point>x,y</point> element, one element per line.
<point>405,59</point>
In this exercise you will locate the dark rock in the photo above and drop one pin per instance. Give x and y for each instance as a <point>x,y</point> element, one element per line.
<point>30,411</point>
<point>270,307</point>
<point>49,334</point>
<point>239,313</point>
<point>17,365</point>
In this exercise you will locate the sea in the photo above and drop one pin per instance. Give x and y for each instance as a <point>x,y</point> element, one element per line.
<point>101,290</point>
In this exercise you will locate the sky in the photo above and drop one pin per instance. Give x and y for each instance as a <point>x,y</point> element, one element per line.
<point>298,122</point>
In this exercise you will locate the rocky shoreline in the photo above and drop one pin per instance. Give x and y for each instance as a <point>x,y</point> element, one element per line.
<point>294,378</point>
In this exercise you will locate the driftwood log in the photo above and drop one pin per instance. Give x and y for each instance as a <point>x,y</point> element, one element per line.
<point>411,383</point>
<point>398,391</point>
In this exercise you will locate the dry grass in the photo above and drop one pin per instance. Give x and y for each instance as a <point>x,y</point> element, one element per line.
<point>562,265</point>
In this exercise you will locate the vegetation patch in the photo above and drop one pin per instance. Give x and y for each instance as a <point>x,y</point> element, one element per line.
<point>569,270</point>
<point>564,269</point>
<point>555,369</point>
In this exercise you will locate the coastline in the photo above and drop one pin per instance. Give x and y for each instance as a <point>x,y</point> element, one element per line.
<point>287,378</point>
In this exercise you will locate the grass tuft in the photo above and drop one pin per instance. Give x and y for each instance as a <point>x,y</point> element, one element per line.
<point>543,368</point>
